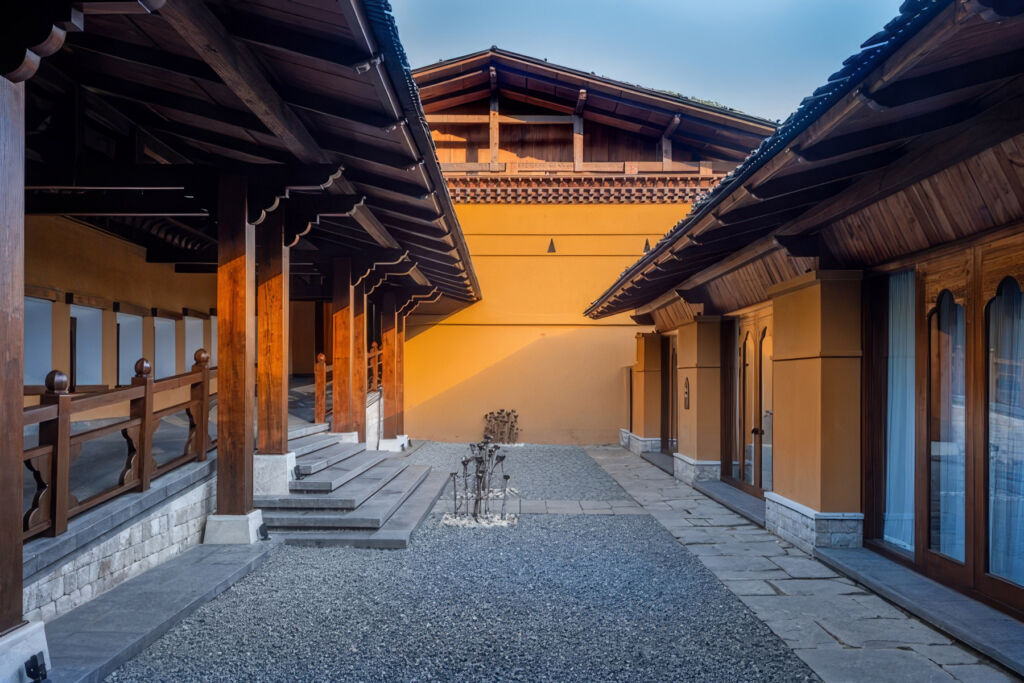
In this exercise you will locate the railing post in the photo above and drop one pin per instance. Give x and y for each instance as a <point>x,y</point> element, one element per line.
<point>142,410</point>
<point>57,433</point>
<point>201,397</point>
<point>320,389</point>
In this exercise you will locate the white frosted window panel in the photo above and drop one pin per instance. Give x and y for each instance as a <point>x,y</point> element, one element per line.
<point>129,346</point>
<point>38,340</point>
<point>165,360</point>
<point>88,345</point>
<point>213,341</point>
<point>193,340</point>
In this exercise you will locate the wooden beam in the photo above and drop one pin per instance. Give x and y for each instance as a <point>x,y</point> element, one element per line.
<point>112,203</point>
<point>581,102</point>
<point>964,75</point>
<point>512,119</point>
<point>241,72</point>
<point>236,348</point>
<point>12,347</point>
<point>666,144</point>
<point>492,75</point>
<point>272,300</point>
<point>493,133</point>
<point>342,328</point>
<point>795,182</point>
<point>389,359</point>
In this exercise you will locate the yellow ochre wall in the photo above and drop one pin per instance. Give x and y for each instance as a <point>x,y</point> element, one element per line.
<point>527,345</point>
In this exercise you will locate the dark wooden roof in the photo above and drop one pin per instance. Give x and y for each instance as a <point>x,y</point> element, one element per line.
<point>147,101</point>
<point>713,131</point>
<point>940,82</point>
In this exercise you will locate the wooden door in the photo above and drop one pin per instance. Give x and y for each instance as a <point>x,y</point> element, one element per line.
<point>749,460</point>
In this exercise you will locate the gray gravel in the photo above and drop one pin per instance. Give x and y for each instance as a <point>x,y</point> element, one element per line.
<point>558,597</point>
<point>539,472</point>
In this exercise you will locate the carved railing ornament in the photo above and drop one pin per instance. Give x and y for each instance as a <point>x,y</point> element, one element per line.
<point>476,492</point>
<point>502,426</point>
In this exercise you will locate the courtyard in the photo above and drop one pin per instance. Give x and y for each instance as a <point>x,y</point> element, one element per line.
<point>590,584</point>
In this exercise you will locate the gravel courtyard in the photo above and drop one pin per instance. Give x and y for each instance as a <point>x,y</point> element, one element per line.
<point>556,597</point>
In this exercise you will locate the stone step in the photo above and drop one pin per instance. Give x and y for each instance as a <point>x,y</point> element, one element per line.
<point>347,497</point>
<point>295,432</point>
<point>370,515</point>
<point>313,442</point>
<point>395,534</point>
<point>342,472</point>
<point>320,459</point>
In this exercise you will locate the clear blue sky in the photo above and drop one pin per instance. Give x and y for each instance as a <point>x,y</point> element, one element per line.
<point>758,56</point>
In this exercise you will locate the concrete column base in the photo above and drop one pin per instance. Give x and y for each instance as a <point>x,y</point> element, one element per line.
<point>348,437</point>
<point>233,529</point>
<point>638,444</point>
<point>18,646</point>
<point>807,528</point>
<point>688,470</point>
<point>271,473</point>
<point>400,443</point>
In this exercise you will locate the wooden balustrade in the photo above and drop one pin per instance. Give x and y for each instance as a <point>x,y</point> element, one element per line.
<point>49,463</point>
<point>373,367</point>
<point>323,374</point>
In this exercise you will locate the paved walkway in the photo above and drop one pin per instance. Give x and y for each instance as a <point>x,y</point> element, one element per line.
<point>841,630</point>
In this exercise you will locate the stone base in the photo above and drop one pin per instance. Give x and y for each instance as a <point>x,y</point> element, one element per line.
<point>400,443</point>
<point>808,529</point>
<point>271,473</point>
<point>18,646</point>
<point>233,529</point>
<point>638,444</point>
<point>688,470</point>
<point>348,437</point>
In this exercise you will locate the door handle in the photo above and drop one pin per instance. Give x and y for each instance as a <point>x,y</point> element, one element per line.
<point>758,432</point>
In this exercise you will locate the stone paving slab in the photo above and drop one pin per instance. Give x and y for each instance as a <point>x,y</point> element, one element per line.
<point>89,642</point>
<point>842,630</point>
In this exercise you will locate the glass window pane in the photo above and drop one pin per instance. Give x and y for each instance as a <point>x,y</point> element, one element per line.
<point>88,345</point>
<point>165,361</point>
<point>38,340</point>
<point>1006,434</point>
<point>898,520</point>
<point>129,346</point>
<point>947,511</point>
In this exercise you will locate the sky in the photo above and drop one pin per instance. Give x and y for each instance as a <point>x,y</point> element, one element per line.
<point>759,56</point>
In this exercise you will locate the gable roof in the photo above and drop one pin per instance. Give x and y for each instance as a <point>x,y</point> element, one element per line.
<point>926,72</point>
<point>712,130</point>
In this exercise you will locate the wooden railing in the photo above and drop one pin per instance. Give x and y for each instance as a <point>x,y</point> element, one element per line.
<point>49,463</point>
<point>374,367</point>
<point>323,374</point>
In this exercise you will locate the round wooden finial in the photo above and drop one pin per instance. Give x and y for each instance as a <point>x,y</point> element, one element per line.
<point>201,356</point>
<point>142,367</point>
<point>321,358</point>
<point>57,382</point>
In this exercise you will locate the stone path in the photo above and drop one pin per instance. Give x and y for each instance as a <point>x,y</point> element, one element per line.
<point>841,630</point>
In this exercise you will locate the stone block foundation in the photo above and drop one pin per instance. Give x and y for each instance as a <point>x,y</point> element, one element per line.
<point>688,470</point>
<point>157,536</point>
<point>807,528</point>
<point>638,444</point>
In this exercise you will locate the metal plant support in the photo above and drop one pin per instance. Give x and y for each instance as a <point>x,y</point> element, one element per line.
<point>502,426</point>
<point>472,490</point>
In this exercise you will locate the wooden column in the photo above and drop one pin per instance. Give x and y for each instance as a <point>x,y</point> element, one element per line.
<point>272,320</point>
<point>236,348</point>
<point>400,373</point>
<point>577,143</point>
<point>341,349</point>
<point>493,133</point>
<point>358,369</point>
<point>12,345</point>
<point>389,360</point>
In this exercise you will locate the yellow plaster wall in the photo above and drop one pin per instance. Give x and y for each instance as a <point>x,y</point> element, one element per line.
<point>698,349</point>
<point>817,390</point>
<point>527,345</point>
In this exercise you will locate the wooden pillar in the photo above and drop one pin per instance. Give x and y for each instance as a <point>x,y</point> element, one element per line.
<point>341,353</point>
<point>236,348</point>
<point>493,134</point>
<point>389,361</point>
<point>400,374</point>
<point>272,320</point>
<point>358,369</point>
<point>12,348</point>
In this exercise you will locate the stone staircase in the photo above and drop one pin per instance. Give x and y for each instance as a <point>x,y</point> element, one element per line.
<point>345,495</point>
